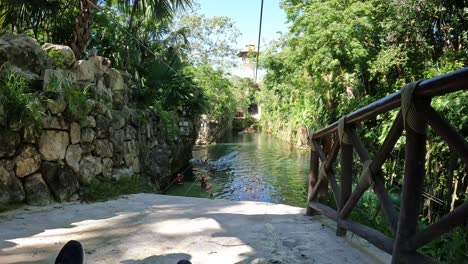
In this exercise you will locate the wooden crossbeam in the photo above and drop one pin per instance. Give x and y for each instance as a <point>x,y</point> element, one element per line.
<point>330,175</point>
<point>444,129</point>
<point>458,217</point>
<point>379,187</point>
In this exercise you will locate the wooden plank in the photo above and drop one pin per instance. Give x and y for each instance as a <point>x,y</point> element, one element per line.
<point>346,180</point>
<point>389,143</point>
<point>313,180</point>
<point>330,174</point>
<point>379,187</point>
<point>415,152</point>
<point>444,84</point>
<point>386,204</point>
<point>325,210</point>
<point>333,154</point>
<point>417,258</point>
<point>353,200</point>
<point>444,129</point>
<point>373,236</point>
<point>458,217</point>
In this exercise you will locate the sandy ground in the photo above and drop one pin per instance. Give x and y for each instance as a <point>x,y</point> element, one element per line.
<point>149,228</point>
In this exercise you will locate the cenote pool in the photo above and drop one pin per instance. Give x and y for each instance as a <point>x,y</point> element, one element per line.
<point>249,167</point>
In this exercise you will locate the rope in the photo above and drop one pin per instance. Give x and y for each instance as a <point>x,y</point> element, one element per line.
<point>185,194</point>
<point>322,172</point>
<point>365,179</point>
<point>411,117</point>
<point>343,137</point>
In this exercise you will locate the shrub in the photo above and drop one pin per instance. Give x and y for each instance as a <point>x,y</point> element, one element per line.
<point>21,107</point>
<point>107,188</point>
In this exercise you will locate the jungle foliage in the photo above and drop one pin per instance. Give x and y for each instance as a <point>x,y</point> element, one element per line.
<point>342,55</point>
<point>161,44</point>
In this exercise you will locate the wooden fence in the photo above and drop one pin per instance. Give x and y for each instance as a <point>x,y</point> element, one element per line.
<point>414,115</point>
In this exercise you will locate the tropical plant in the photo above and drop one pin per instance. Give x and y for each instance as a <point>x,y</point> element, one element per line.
<point>22,108</point>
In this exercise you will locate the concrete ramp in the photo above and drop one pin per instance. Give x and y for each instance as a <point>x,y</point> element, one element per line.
<point>149,228</point>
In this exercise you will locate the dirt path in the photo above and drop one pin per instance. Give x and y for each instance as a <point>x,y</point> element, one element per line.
<point>147,228</point>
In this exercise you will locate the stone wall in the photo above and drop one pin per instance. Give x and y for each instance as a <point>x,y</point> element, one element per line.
<point>211,130</point>
<point>53,161</point>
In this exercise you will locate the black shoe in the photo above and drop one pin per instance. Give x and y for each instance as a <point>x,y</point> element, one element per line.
<point>184,262</point>
<point>71,253</point>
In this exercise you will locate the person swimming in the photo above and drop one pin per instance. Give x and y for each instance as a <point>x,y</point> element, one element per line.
<point>212,169</point>
<point>180,179</point>
<point>203,181</point>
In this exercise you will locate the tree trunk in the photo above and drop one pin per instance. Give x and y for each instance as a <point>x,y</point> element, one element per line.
<point>82,31</point>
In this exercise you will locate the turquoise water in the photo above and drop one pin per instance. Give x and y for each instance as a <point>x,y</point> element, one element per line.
<point>249,167</point>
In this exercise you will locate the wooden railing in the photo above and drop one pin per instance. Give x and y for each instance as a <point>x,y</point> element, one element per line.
<point>414,115</point>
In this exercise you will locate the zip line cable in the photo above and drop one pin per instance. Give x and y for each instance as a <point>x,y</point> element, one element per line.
<point>112,19</point>
<point>259,36</point>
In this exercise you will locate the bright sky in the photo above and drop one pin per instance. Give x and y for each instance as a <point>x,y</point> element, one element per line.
<point>246,14</point>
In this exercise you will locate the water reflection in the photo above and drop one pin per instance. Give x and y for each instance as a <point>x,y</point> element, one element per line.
<point>249,166</point>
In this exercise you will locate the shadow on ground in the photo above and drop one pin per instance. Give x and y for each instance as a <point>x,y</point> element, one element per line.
<point>146,228</point>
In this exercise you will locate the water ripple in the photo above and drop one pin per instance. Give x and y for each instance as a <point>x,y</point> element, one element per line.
<point>254,167</point>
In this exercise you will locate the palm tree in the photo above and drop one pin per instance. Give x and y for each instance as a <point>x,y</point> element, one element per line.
<point>157,9</point>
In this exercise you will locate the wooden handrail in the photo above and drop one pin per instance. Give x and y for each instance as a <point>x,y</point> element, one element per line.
<point>437,86</point>
<point>406,238</point>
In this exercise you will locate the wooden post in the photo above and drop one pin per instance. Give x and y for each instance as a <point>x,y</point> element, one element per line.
<point>411,198</point>
<point>313,178</point>
<point>346,180</point>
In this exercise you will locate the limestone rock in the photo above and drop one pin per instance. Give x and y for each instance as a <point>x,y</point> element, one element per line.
<point>90,167</point>
<point>73,157</point>
<point>9,141</point>
<point>87,135</point>
<point>101,64</point>
<point>53,144</point>
<point>114,80</point>
<point>130,133</point>
<point>24,52</point>
<point>36,190</point>
<point>103,126</point>
<point>107,167</point>
<point>2,114</point>
<point>61,56</point>
<point>53,80</point>
<point>89,122</point>
<point>103,93</point>
<point>62,181</point>
<point>27,162</point>
<point>103,109</point>
<point>118,119</point>
<point>134,117</point>
<point>136,165</point>
<point>87,147</point>
<point>130,152</point>
<point>30,77</point>
<point>85,71</point>
<point>103,148</point>
<point>119,173</point>
<point>118,159</point>
<point>56,106</point>
<point>118,140</point>
<point>31,136</point>
<point>119,99</point>
<point>157,162</point>
<point>54,122</point>
<point>11,189</point>
<point>75,133</point>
